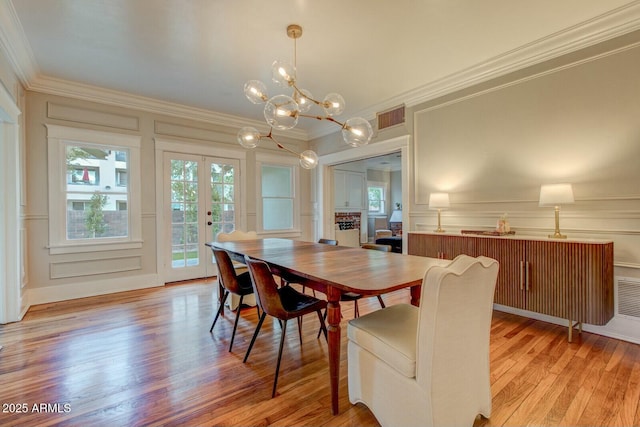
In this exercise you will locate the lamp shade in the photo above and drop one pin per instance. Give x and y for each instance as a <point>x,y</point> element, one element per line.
<point>438,200</point>
<point>556,194</point>
<point>396,216</point>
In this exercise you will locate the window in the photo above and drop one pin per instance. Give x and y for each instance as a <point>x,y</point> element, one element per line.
<point>76,205</point>
<point>277,197</point>
<point>93,201</point>
<point>377,192</point>
<point>278,206</point>
<point>121,177</point>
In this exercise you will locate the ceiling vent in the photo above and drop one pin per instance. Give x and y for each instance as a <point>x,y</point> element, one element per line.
<point>390,118</point>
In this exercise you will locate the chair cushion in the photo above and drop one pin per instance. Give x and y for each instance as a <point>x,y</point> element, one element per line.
<point>390,334</point>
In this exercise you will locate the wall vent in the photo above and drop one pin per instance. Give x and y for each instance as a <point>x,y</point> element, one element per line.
<point>389,118</point>
<point>629,296</point>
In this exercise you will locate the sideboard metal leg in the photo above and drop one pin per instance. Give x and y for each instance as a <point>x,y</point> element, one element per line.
<point>573,325</point>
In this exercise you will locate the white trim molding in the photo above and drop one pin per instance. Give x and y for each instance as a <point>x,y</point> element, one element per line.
<point>11,240</point>
<point>47,294</point>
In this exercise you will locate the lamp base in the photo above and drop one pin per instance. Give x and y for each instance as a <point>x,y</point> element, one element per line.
<point>439,230</point>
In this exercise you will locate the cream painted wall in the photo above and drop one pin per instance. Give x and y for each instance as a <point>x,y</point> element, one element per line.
<point>572,119</point>
<point>492,150</point>
<point>49,109</point>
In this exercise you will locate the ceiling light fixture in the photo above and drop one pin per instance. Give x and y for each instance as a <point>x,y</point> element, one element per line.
<point>282,111</point>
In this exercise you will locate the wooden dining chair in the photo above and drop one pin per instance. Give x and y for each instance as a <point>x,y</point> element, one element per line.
<point>235,236</point>
<point>283,303</point>
<point>231,283</point>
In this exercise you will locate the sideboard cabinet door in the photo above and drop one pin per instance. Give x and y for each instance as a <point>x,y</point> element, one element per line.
<point>510,254</point>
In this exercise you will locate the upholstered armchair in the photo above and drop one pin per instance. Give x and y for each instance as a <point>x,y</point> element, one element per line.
<point>428,365</point>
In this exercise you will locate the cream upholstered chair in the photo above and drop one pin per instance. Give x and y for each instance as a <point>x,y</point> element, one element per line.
<point>236,235</point>
<point>428,366</point>
<point>381,228</point>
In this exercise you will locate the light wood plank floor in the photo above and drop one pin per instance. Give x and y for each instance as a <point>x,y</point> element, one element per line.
<point>147,358</point>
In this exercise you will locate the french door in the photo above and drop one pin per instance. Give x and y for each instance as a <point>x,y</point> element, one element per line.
<point>200,201</point>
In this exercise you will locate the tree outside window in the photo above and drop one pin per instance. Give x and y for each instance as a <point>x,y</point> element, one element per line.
<point>95,189</point>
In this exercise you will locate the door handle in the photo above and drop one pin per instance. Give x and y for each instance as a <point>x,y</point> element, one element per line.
<point>522,275</point>
<point>209,223</point>
<point>527,279</point>
<point>209,213</point>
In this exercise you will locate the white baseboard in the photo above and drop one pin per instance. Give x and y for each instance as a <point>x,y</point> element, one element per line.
<point>92,288</point>
<point>620,327</point>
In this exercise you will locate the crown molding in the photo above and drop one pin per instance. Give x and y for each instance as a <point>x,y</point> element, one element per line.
<point>60,87</point>
<point>604,27</point>
<point>614,23</point>
<point>14,43</point>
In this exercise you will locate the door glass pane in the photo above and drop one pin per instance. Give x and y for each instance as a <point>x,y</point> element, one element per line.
<point>222,204</point>
<point>184,215</point>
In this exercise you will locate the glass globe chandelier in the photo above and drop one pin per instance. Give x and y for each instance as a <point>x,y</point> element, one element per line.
<point>282,111</point>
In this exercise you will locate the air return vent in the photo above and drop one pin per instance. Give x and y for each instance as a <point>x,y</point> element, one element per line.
<point>392,117</point>
<point>629,296</point>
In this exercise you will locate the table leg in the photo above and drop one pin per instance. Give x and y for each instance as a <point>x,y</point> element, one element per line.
<point>416,291</point>
<point>333,317</point>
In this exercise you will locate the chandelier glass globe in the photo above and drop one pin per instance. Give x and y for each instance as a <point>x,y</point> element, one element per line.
<point>308,159</point>
<point>303,97</point>
<point>281,112</point>
<point>333,104</point>
<point>357,132</point>
<point>255,91</point>
<point>283,73</point>
<point>248,137</point>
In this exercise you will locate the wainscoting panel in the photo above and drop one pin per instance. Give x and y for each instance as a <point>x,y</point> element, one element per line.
<point>77,268</point>
<point>84,115</point>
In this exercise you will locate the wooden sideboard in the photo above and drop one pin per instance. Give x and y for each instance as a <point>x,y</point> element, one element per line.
<point>569,279</point>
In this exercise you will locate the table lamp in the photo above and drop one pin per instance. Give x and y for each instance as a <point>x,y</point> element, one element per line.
<point>439,201</point>
<point>396,216</point>
<point>556,195</point>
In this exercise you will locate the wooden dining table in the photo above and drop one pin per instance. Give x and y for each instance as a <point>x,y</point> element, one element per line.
<point>334,270</point>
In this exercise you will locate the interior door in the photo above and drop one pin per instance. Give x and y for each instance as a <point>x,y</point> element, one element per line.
<point>200,201</point>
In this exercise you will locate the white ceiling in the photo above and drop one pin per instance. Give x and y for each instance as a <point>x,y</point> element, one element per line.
<point>195,55</point>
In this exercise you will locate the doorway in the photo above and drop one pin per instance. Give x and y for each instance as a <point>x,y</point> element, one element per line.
<point>199,194</point>
<point>325,186</point>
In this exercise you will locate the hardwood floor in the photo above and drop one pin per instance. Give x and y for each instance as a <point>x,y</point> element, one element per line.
<point>147,358</point>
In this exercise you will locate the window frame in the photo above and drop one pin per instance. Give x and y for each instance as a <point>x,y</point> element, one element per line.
<point>58,137</point>
<point>383,205</point>
<point>263,159</point>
